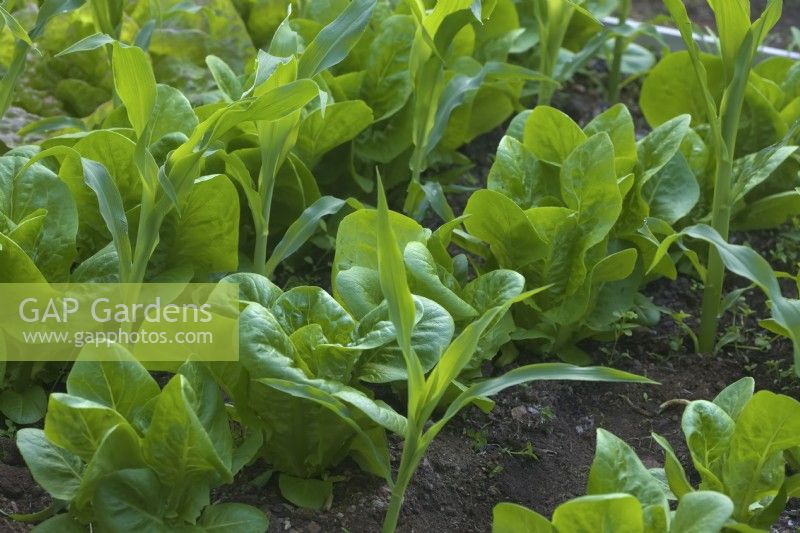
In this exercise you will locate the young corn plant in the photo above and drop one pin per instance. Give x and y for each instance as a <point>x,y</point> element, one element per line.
<point>277,137</point>
<point>747,263</point>
<point>557,22</point>
<point>425,393</point>
<point>437,95</point>
<point>739,39</point>
<point>615,71</point>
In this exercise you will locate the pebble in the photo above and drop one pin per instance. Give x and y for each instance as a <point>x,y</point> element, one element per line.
<point>379,504</point>
<point>519,413</point>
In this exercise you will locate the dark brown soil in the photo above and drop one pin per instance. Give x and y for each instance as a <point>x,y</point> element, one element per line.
<point>701,14</point>
<point>19,494</point>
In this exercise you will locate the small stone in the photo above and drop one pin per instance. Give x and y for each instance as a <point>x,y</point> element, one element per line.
<point>519,413</point>
<point>313,527</point>
<point>379,504</point>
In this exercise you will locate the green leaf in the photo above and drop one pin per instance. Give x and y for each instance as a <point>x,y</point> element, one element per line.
<point>617,468</point>
<point>744,261</point>
<point>461,88</point>
<point>172,113</point>
<point>430,336</point>
<point>607,513</point>
<point>754,169</point>
<point>123,385</point>
<point>205,235</point>
<point>255,288</point>
<point>394,285</point>
<point>618,124</point>
<point>38,190</point>
<point>741,260</point>
<point>702,512</point>
<point>61,523</point>
<point>733,22</point>
<point>708,430</point>
<point>226,80</point>
<point>233,517</point>
<point>424,280</point>
<point>518,174</point>
<point>92,42</point>
<point>455,358</point>
<point>356,240</point>
<point>334,41</point>
<point>735,397</point>
<point>306,493</point>
<point>589,186</point>
<point>334,400</point>
<point>134,83</point>
<point>513,518</point>
<point>321,132</point>
<point>15,27</point>
<point>676,475</point>
<point>669,90</point>
<point>111,209</point>
<point>302,306</point>
<point>131,500</point>
<point>179,447</point>
<point>498,221</point>
<point>120,448</point>
<point>660,146</point>
<point>273,104</point>
<point>754,465</point>
<point>24,407</point>
<point>116,153</point>
<point>673,191</point>
<point>302,229</point>
<point>493,288</point>
<point>78,425</point>
<point>387,81</point>
<point>528,373</point>
<point>551,135</point>
<point>769,212</point>
<point>15,265</point>
<point>58,471</point>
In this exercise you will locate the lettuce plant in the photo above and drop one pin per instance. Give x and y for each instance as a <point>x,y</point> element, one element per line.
<point>719,92</point>
<point>563,207</point>
<point>431,273</point>
<point>161,178</point>
<point>705,511</point>
<point>121,454</point>
<point>425,393</point>
<point>739,444</point>
<point>302,358</point>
